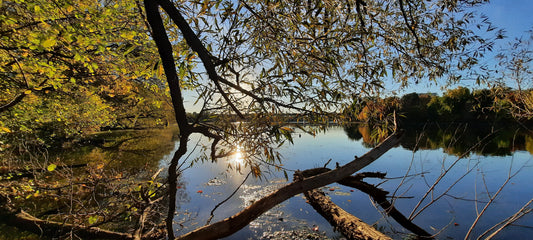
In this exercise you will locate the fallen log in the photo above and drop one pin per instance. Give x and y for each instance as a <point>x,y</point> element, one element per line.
<point>349,225</point>
<point>236,222</point>
<point>380,197</point>
<point>377,194</point>
<point>27,222</point>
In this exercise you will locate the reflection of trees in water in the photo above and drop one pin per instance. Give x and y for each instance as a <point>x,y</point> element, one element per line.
<point>128,150</point>
<point>455,139</point>
<point>116,185</point>
<point>352,132</point>
<point>529,144</point>
<point>368,133</point>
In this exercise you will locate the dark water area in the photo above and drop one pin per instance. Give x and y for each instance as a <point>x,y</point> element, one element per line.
<point>458,168</point>
<point>457,138</point>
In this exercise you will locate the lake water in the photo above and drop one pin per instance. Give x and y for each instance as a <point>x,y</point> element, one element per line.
<point>468,179</point>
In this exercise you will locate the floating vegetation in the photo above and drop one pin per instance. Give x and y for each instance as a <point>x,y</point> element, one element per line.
<point>276,223</point>
<point>301,233</point>
<point>251,193</point>
<point>216,182</point>
<point>340,193</point>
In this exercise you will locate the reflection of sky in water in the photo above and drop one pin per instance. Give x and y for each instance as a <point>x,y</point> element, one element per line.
<point>309,152</point>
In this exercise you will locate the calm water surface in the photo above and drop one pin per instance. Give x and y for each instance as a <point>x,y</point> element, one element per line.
<point>468,178</point>
<point>412,168</point>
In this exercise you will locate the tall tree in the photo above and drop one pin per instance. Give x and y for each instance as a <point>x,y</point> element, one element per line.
<point>263,61</point>
<point>70,65</point>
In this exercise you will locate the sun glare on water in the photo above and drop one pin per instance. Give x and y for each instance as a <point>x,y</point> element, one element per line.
<point>237,158</point>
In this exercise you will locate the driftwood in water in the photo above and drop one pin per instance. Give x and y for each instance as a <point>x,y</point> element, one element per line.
<point>379,195</point>
<point>236,222</point>
<point>350,226</point>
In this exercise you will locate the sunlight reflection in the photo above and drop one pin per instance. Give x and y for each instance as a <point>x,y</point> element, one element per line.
<point>237,158</point>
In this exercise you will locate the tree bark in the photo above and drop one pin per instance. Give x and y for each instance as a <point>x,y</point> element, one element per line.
<point>236,222</point>
<point>350,226</point>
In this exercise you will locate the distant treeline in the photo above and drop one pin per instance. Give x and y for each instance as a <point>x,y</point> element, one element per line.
<point>455,105</point>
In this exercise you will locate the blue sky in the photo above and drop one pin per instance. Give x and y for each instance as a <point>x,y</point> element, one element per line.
<point>515,16</point>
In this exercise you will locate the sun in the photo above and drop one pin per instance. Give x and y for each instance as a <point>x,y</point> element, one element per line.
<point>237,158</point>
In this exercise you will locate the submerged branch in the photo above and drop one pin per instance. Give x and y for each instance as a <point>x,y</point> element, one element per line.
<point>380,197</point>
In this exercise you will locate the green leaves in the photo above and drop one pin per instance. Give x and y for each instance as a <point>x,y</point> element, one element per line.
<point>93,219</point>
<point>51,167</point>
<point>73,56</point>
<point>48,43</point>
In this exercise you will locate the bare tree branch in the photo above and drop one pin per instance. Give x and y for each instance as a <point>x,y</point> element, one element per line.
<point>228,198</point>
<point>508,221</point>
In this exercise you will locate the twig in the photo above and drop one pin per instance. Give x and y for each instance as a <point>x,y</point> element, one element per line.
<point>225,200</point>
<point>508,221</point>
<point>408,169</point>
<point>492,198</point>
<point>414,212</point>
<point>409,26</point>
